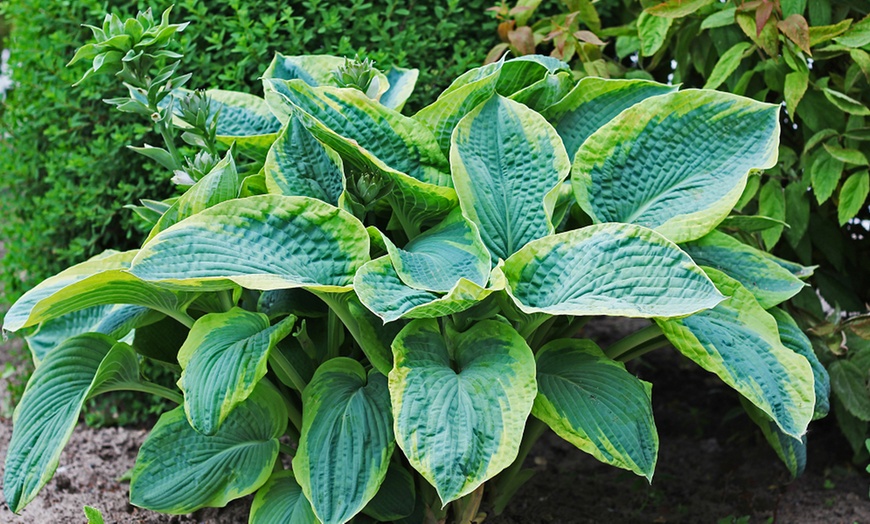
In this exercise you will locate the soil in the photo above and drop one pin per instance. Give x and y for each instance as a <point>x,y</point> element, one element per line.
<point>713,467</point>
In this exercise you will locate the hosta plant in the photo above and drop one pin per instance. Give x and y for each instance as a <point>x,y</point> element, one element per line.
<point>374,316</point>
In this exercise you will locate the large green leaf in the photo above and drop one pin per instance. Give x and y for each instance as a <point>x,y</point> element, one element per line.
<point>460,405</point>
<point>297,164</point>
<point>523,71</point>
<point>739,341</point>
<point>18,314</point>
<point>594,403</point>
<point>396,498</point>
<point>261,242</point>
<point>768,281</point>
<point>464,94</point>
<point>281,500</point>
<point>373,140</point>
<point>347,439</point>
<point>223,359</point>
<point>437,259</point>
<point>106,287</point>
<point>546,91</point>
<point>114,320</point>
<point>595,101</point>
<point>608,269</point>
<point>48,412</point>
<point>179,470</point>
<point>383,293</point>
<point>508,164</point>
<point>676,163</point>
<point>243,119</point>
<point>222,183</point>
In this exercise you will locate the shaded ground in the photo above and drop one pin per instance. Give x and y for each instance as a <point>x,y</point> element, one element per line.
<point>713,466</point>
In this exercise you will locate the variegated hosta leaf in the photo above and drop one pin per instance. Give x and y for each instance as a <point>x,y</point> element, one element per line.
<point>464,94</point>
<point>792,451</point>
<point>243,119</point>
<point>222,183</point>
<point>179,470</point>
<point>297,164</point>
<point>738,341</point>
<point>223,359</point>
<point>402,82</point>
<point>281,500</point>
<point>382,291</point>
<point>460,412</point>
<point>373,139</point>
<point>114,320</point>
<point>507,164</point>
<point>676,163</point>
<point>521,72</point>
<point>347,439</point>
<point>608,269</point>
<point>594,403</point>
<point>794,339</point>
<point>262,242</point>
<point>107,261</point>
<point>769,282</point>
<point>595,101</point>
<point>96,282</point>
<point>318,70</point>
<point>49,409</point>
<point>546,91</point>
<point>437,259</point>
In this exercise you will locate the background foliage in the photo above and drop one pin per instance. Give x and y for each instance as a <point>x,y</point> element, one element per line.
<point>62,151</point>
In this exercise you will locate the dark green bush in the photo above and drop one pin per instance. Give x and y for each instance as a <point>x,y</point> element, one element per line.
<point>64,172</point>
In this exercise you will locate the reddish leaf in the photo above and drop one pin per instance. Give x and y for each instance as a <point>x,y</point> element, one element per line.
<point>797,30</point>
<point>504,30</point>
<point>523,40</point>
<point>762,15</point>
<point>589,37</point>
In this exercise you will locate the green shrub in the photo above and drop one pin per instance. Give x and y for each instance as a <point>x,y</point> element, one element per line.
<point>62,151</point>
<point>392,302</point>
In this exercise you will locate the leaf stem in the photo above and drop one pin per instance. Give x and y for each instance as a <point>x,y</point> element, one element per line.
<point>148,387</point>
<point>643,349</point>
<point>226,299</point>
<point>181,317</point>
<point>334,327</point>
<point>628,343</point>
<point>285,371</point>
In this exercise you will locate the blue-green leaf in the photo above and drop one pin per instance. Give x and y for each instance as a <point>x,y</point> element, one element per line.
<point>676,163</point>
<point>281,500</point>
<point>608,269</point>
<point>347,439</point>
<point>508,164</point>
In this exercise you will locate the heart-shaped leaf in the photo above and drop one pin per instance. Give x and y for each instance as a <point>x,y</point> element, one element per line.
<point>179,470</point>
<point>297,164</point>
<point>608,269</point>
<point>261,242</point>
<point>593,102</point>
<point>769,282</point>
<point>460,412</point>
<point>281,500</point>
<point>594,403</point>
<point>508,164</point>
<point>676,163</point>
<point>347,439</point>
<point>49,409</point>
<point>739,341</point>
<point>223,359</point>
